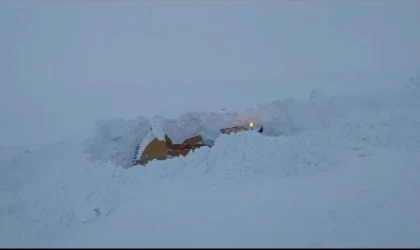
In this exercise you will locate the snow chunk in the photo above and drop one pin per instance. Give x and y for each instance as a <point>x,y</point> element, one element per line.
<point>149,137</point>
<point>157,123</point>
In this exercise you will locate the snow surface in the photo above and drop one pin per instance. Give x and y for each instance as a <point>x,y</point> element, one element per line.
<point>330,171</point>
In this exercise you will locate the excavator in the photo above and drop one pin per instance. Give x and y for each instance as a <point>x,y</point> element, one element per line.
<point>164,148</point>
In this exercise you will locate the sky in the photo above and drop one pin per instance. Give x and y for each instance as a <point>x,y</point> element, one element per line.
<point>65,64</point>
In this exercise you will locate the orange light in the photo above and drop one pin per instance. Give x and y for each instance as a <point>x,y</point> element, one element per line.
<point>251,124</point>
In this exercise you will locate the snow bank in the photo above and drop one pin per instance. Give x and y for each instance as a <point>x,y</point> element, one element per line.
<point>116,140</point>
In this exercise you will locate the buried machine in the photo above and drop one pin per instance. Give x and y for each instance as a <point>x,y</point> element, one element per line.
<point>154,148</point>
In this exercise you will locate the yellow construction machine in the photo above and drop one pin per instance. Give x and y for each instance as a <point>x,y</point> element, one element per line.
<point>161,149</point>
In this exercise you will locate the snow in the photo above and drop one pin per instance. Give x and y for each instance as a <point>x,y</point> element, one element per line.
<point>332,171</point>
<point>157,122</point>
<point>149,137</point>
<point>339,98</point>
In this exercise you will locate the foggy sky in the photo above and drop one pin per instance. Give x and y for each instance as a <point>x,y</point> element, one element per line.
<point>64,64</point>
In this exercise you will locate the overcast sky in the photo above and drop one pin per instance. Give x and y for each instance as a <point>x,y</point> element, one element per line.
<point>64,64</point>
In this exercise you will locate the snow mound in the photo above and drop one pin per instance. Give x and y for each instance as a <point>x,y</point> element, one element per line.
<point>249,154</point>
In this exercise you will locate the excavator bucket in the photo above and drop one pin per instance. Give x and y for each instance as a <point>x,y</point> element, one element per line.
<point>159,149</point>
<point>156,149</point>
<point>184,148</point>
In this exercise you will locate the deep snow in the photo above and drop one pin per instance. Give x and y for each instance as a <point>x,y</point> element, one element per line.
<point>331,171</point>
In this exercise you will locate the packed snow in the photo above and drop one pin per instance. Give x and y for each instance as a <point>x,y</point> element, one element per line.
<point>328,171</point>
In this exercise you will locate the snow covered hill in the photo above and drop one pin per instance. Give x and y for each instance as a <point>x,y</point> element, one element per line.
<point>338,171</point>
